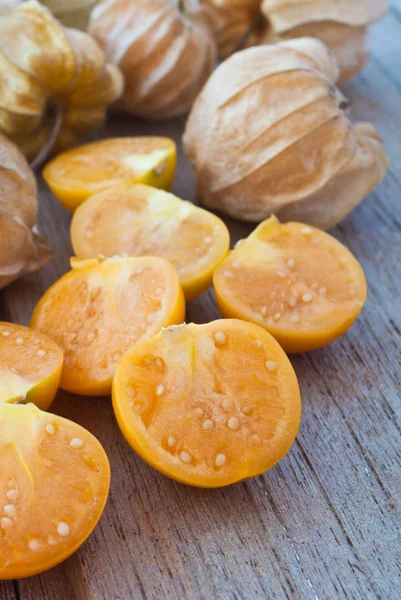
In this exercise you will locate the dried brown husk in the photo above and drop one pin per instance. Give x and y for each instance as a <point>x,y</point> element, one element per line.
<point>46,68</point>
<point>22,250</point>
<point>233,22</point>
<point>341,24</point>
<point>164,49</point>
<point>269,134</point>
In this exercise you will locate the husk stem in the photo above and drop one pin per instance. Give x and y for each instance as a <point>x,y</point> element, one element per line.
<point>45,151</point>
<point>258,21</point>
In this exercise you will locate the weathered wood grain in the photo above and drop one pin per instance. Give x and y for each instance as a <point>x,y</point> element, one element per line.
<point>325,523</point>
<point>8,590</point>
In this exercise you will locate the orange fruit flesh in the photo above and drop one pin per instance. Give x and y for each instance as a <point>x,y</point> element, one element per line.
<point>78,173</point>
<point>30,366</point>
<point>208,405</point>
<point>296,281</point>
<point>140,220</point>
<point>54,483</point>
<point>97,312</point>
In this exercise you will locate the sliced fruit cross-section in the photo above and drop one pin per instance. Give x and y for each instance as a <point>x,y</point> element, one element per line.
<point>78,173</point>
<point>296,281</point>
<point>97,311</point>
<point>208,405</point>
<point>140,220</point>
<point>30,366</point>
<point>54,482</point>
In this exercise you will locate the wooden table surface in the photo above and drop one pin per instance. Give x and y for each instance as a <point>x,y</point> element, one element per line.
<point>325,522</point>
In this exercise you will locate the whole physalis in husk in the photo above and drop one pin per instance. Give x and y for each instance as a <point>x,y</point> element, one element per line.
<point>54,483</point>
<point>164,49</point>
<point>50,73</point>
<point>208,405</point>
<point>22,250</point>
<point>269,133</point>
<point>341,24</point>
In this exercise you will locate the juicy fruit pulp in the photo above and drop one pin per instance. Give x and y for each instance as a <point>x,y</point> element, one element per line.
<point>78,173</point>
<point>296,281</point>
<point>208,405</point>
<point>97,311</point>
<point>30,366</point>
<point>140,220</point>
<point>54,483</point>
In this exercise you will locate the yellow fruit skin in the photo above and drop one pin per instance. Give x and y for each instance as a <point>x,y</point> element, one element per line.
<point>164,180</point>
<point>72,197</point>
<point>146,454</point>
<point>198,285</point>
<point>194,280</point>
<point>291,344</point>
<point>27,570</point>
<point>102,388</point>
<point>41,391</point>
<point>138,443</point>
<point>44,392</point>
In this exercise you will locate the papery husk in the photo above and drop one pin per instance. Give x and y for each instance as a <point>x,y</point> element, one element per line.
<point>269,134</point>
<point>330,205</point>
<point>45,68</point>
<point>349,44</point>
<point>322,58</point>
<point>287,14</point>
<point>71,13</point>
<point>232,23</point>
<point>341,24</point>
<point>22,250</point>
<point>166,56</point>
